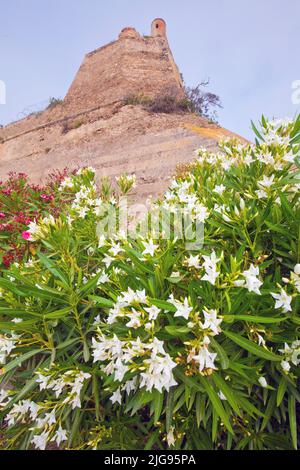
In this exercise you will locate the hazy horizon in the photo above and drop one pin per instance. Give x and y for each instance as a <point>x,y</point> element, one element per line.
<point>248,50</point>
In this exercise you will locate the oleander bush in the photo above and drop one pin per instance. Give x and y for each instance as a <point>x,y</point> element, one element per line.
<point>149,342</point>
<point>21,203</point>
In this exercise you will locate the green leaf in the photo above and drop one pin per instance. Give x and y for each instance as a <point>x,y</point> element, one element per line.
<point>19,360</point>
<point>163,305</point>
<point>101,301</point>
<point>153,438</point>
<point>222,355</point>
<point>216,403</point>
<point>226,390</point>
<point>52,267</point>
<point>174,330</point>
<point>256,131</point>
<point>292,419</point>
<point>252,347</point>
<point>169,409</point>
<point>269,411</point>
<point>252,319</point>
<point>159,401</point>
<point>281,390</point>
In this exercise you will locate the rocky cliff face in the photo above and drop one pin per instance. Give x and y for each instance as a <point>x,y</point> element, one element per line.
<point>93,127</point>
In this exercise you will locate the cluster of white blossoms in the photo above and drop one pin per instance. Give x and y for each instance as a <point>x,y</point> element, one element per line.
<point>44,417</point>
<point>134,307</point>
<point>4,395</point>
<point>251,282</point>
<point>85,201</point>
<point>210,266</point>
<point>147,364</point>
<point>276,150</point>
<point>277,132</point>
<point>221,160</point>
<point>202,356</point>
<point>182,199</point>
<point>201,353</point>
<point>126,182</point>
<point>39,230</point>
<point>294,278</point>
<point>291,354</point>
<point>7,344</point>
<point>42,421</point>
<point>69,383</point>
<point>67,183</point>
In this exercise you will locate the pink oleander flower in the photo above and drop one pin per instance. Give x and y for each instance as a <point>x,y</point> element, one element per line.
<point>2,215</point>
<point>7,192</point>
<point>26,235</point>
<point>47,197</point>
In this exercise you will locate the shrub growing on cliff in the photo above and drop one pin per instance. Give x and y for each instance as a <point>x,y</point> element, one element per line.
<point>202,102</point>
<point>144,342</point>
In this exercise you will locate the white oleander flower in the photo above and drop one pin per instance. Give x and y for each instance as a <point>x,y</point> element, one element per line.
<point>266,157</point>
<point>153,312</point>
<point>295,277</point>
<point>283,300</point>
<point>3,396</point>
<point>115,249</point>
<point>266,182</point>
<point>130,386</point>
<point>292,352</point>
<point>251,283</point>
<point>182,309</point>
<point>170,437</point>
<point>219,189</point>
<point>60,436</point>
<point>40,441</point>
<point>158,372</point>
<point>211,321</point>
<point>193,262</point>
<point>107,260</point>
<point>134,319</point>
<point>201,212</point>
<point>43,381</point>
<point>221,396</point>
<point>261,341</point>
<point>103,279</point>
<point>210,266</point>
<point>261,194</point>
<point>150,248</point>
<point>285,366</point>
<point>205,359</point>
<point>102,241</point>
<point>116,397</point>
<point>7,344</point>
<point>82,212</point>
<point>263,382</point>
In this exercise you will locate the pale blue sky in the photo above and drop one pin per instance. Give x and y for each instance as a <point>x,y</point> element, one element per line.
<point>248,48</point>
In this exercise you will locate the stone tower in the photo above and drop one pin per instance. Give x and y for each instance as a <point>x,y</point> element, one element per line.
<point>130,65</point>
